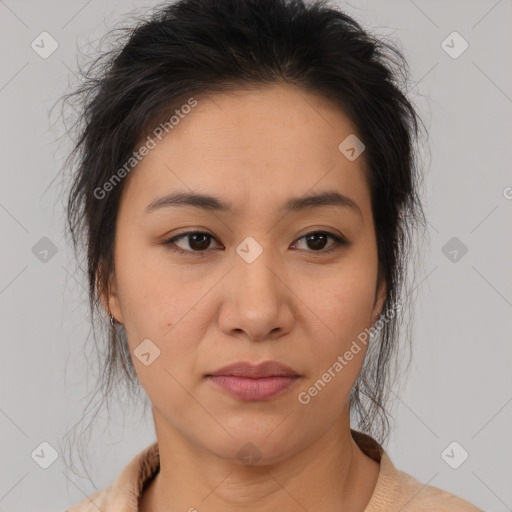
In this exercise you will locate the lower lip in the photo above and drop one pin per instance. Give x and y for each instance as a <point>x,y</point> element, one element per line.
<point>246,388</point>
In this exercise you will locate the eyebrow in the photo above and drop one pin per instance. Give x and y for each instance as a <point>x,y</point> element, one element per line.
<point>211,203</point>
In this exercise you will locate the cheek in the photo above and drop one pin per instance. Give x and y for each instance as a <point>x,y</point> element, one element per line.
<point>168,307</point>
<point>152,295</point>
<point>158,311</point>
<point>343,302</point>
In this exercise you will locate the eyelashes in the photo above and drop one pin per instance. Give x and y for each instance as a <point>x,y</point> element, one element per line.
<point>204,239</point>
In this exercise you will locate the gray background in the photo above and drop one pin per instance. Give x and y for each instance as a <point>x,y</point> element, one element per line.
<point>459,388</point>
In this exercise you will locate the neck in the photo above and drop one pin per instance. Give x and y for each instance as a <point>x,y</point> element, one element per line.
<point>329,474</point>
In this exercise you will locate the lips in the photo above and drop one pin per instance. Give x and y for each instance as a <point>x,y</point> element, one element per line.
<point>254,382</point>
<point>265,369</point>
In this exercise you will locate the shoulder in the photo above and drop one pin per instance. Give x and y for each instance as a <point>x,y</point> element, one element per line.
<point>397,490</point>
<point>416,496</point>
<point>124,492</point>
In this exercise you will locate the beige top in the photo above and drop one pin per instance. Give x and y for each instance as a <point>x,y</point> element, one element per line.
<point>394,491</point>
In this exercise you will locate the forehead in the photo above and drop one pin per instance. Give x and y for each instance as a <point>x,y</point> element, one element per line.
<point>260,145</point>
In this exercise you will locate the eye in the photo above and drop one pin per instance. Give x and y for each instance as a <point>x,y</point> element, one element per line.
<point>199,241</point>
<point>318,240</point>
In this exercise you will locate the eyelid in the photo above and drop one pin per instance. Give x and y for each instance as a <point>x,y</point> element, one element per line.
<point>170,242</point>
<point>339,241</point>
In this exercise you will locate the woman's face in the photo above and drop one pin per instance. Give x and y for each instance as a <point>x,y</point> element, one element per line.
<point>251,287</point>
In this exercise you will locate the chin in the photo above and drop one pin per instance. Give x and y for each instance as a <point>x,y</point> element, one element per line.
<point>254,447</point>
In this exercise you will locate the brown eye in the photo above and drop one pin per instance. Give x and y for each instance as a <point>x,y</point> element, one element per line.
<point>317,241</point>
<point>197,241</point>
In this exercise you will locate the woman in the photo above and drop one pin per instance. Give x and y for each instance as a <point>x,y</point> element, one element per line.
<point>246,187</point>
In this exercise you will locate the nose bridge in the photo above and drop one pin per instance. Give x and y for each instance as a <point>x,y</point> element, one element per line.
<point>255,266</point>
<point>256,302</point>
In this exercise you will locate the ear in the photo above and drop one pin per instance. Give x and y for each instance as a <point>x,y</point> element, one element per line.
<point>380,296</point>
<point>110,299</point>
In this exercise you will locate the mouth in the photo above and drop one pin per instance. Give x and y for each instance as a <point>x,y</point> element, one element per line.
<point>254,389</point>
<point>246,381</point>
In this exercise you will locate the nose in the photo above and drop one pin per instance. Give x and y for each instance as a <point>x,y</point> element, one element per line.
<point>258,301</point>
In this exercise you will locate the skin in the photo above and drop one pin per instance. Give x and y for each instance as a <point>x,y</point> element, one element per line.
<point>295,304</point>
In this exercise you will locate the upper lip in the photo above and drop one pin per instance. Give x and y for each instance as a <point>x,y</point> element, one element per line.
<point>265,369</point>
